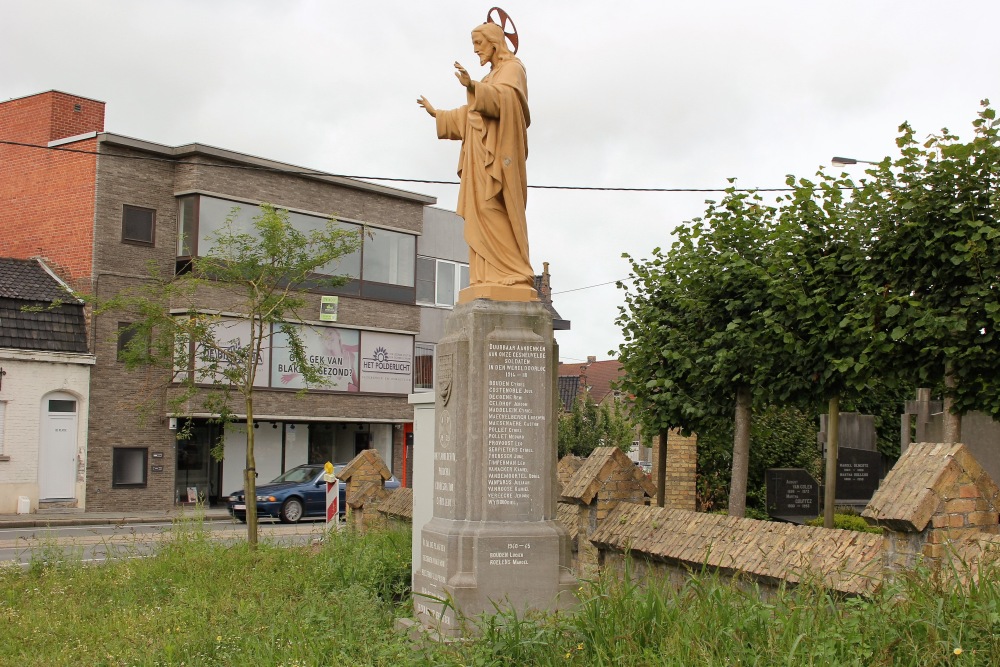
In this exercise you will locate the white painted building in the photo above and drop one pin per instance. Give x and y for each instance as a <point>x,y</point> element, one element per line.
<point>44,390</point>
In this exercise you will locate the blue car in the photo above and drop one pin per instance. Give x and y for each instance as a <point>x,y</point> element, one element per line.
<point>297,494</point>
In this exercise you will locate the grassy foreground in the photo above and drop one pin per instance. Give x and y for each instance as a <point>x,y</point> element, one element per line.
<point>202,603</point>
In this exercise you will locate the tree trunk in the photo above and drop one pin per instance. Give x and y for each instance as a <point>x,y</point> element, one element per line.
<point>661,470</point>
<point>952,426</point>
<point>250,480</point>
<point>832,448</point>
<point>741,453</point>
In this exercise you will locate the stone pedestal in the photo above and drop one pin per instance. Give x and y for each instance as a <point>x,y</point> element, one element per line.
<point>494,537</point>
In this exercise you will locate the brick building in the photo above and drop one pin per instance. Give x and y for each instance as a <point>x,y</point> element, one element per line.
<point>100,208</point>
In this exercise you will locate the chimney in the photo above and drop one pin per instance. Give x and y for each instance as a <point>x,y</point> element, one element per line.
<point>49,116</point>
<point>591,360</point>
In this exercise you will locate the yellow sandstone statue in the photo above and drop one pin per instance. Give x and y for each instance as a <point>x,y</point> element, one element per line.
<point>492,127</point>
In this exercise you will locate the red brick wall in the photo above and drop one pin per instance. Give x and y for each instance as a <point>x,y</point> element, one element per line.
<point>47,196</point>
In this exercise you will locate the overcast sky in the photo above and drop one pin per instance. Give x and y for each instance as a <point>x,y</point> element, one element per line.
<point>622,93</point>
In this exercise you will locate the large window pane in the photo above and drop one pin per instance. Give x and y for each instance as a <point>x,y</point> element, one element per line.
<point>425,279</point>
<point>349,265</point>
<point>212,217</point>
<point>445,284</point>
<point>186,226</point>
<point>389,258</point>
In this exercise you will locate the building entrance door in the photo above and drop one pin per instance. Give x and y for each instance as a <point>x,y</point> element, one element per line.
<point>57,448</point>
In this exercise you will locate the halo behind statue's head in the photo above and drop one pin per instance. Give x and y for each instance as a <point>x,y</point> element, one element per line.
<point>500,31</point>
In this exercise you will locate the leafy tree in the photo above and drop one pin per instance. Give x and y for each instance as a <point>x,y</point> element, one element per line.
<point>935,212</point>
<point>588,426</point>
<point>703,337</point>
<point>258,273</point>
<point>825,304</point>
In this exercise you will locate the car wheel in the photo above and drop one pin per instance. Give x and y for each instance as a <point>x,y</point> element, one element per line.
<point>291,511</point>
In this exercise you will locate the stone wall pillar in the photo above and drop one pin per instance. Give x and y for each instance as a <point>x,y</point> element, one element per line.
<point>682,461</point>
<point>606,479</point>
<point>935,499</point>
<point>364,478</point>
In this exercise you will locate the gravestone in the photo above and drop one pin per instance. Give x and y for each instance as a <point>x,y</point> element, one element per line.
<point>858,475</point>
<point>493,537</point>
<point>792,493</point>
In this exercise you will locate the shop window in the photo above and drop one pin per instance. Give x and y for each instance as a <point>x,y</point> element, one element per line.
<point>128,467</point>
<point>138,225</point>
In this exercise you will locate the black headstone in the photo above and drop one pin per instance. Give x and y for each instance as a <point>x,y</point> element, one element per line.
<point>791,492</point>
<point>858,474</point>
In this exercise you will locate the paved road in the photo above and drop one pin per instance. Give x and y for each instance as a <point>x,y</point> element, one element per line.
<point>96,543</point>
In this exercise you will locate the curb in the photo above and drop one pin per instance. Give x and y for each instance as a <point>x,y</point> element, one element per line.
<point>102,521</point>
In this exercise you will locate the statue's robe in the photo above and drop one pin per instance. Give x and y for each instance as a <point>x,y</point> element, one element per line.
<point>493,128</point>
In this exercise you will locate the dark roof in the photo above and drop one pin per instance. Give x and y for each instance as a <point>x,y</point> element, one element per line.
<point>568,386</point>
<point>55,320</point>
<point>27,279</point>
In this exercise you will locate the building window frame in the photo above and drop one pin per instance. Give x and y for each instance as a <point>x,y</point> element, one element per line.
<point>388,254</point>
<point>459,273</point>
<point>125,473</point>
<point>423,373</point>
<point>129,235</point>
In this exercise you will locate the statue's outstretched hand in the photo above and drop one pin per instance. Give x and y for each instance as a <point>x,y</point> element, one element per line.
<point>427,106</point>
<point>462,76</point>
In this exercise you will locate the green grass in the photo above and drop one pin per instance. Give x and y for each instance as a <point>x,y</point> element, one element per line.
<point>202,603</point>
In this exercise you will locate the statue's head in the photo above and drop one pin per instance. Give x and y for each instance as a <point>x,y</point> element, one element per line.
<point>488,39</point>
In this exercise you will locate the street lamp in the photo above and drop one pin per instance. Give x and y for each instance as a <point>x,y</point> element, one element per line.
<point>845,161</point>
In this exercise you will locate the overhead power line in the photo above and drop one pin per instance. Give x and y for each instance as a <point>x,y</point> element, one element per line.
<point>577,289</point>
<point>585,188</point>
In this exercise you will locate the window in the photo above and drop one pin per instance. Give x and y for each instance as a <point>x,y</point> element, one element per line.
<point>128,467</point>
<point>57,405</point>
<point>439,281</point>
<point>423,366</point>
<point>426,276</point>
<point>389,257</point>
<point>187,226</point>
<point>382,269</point>
<point>125,336</point>
<point>138,225</point>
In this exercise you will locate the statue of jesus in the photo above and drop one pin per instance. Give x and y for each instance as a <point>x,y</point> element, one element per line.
<point>492,127</point>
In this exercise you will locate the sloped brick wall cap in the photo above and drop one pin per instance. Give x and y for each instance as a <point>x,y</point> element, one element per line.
<point>841,560</point>
<point>599,466</point>
<point>910,494</point>
<point>399,503</point>
<point>368,459</point>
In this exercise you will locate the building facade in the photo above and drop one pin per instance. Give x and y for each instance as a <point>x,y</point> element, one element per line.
<point>44,390</point>
<point>102,208</point>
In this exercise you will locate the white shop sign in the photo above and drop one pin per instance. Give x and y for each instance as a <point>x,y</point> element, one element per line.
<point>386,363</point>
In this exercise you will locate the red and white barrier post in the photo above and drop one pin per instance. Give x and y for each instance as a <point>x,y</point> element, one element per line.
<point>332,497</point>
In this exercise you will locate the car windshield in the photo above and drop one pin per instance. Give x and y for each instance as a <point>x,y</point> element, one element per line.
<point>296,475</point>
